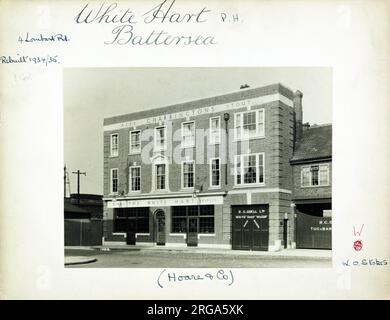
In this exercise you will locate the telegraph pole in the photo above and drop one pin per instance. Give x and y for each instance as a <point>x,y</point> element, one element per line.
<point>78,172</point>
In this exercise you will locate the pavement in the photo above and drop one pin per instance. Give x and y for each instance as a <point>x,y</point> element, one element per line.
<point>74,260</point>
<point>286,253</point>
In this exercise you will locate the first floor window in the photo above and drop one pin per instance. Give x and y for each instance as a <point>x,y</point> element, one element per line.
<point>135,141</point>
<point>160,176</point>
<point>215,172</point>
<point>249,169</point>
<point>188,174</point>
<point>114,181</point>
<point>315,175</point>
<point>131,220</point>
<point>114,145</point>
<point>182,216</point>
<point>135,178</point>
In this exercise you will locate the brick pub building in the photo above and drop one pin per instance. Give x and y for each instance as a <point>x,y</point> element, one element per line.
<point>238,171</point>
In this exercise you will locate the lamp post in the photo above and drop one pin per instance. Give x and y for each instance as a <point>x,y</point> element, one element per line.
<point>226,117</point>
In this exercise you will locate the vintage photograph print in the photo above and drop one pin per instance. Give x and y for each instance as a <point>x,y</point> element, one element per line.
<point>198,167</point>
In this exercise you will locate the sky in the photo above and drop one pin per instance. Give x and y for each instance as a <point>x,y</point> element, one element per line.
<point>92,94</point>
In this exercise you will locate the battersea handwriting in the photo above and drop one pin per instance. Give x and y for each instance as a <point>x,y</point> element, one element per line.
<point>124,33</point>
<point>166,277</point>
<point>59,37</point>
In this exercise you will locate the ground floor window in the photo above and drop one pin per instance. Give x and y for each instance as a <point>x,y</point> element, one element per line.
<point>131,220</point>
<point>204,215</point>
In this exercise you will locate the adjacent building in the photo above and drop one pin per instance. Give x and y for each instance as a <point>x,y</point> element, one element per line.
<point>234,171</point>
<point>83,215</point>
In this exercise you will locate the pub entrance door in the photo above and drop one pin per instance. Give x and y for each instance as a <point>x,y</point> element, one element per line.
<point>250,227</point>
<point>131,229</point>
<point>160,228</point>
<point>192,233</point>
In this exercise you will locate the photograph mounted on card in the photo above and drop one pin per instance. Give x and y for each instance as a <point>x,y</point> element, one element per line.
<point>231,173</point>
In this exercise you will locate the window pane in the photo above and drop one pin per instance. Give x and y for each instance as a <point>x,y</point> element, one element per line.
<point>314,175</point>
<point>135,175</point>
<point>179,225</point>
<point>260,122</point>
<point>127,217</point>
<point>160,138</point>
<point>250,169</point>
<point>261,168</point>
<point>237,125</point>
<point>215,136</point>
<point>305,177</point>
<point>135,145</point>
<point>188,134</point>
<point>120,225</point>
<point>160,176</point>
<point>206,210</point>
<point>114,180</point>
<point>206,225</point>
<point>215,172</point>
<point>143,225</point>
<point>188,174</point>
<point>238,170</point>
<point>249,124</point>
<point>192,210</point>
<point>114,145</point>
<point>178,211</point>
<point>324,175</point>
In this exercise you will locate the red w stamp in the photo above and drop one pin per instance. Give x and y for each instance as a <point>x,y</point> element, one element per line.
<point>358,245</point>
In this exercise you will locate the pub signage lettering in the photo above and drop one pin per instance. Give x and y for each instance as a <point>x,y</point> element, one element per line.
<point>199,111</point>
<point>164,202</point>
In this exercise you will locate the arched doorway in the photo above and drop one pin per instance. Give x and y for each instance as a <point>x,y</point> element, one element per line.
<point>159,227</point>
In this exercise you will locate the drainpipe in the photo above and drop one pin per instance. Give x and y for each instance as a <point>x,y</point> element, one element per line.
<point>226,117</point>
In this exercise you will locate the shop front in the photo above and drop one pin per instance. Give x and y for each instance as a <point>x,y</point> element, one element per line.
<point>173,221</point>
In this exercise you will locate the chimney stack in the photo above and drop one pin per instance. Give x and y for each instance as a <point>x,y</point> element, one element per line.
<point>298,114</point>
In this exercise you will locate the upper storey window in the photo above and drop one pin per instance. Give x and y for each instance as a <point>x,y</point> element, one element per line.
<point>215,130</point>
<point>135,141</point>
<point>249,124</point>
<point>249,169</point>
<point>188,134</point>
<point>114,151</point>
<point>315,175</point>
<point>160,138</point>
